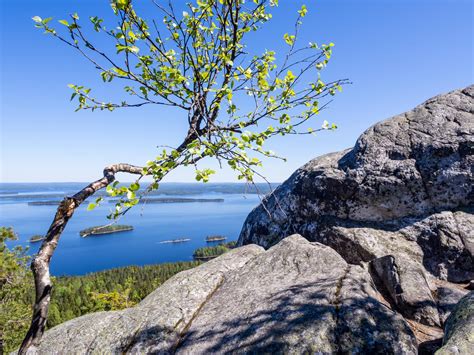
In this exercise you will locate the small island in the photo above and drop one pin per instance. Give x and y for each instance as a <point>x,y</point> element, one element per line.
<point>108,229</point>
<point>36,238</point>
<point>207,253</point>
<point>215,238</point>
<point>179,240</point>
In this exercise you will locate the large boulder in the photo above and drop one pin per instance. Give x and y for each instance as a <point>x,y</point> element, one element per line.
<point>297,297</point>
<point>459,330</point>
<point>402,200</point>
<point>156,323</point>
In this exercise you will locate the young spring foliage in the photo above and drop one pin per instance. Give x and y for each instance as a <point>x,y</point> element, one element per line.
<point>195,58</point>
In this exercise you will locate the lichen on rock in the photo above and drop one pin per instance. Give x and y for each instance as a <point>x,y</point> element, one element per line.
<point>404,190</point>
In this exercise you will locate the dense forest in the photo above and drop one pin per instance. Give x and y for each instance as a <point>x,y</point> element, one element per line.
<point>72,296</point>
<point>106,290</point>
<point>213,251</point>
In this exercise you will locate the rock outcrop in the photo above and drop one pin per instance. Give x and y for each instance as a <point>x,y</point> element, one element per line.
<point>157,322</point>
<point>297,297</point>
<point>401,200</point>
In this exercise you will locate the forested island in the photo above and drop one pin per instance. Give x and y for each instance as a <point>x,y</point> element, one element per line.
<point>98,230</point>
<point>215,238</point>
<point>178,240</point>
<point>36,238</point>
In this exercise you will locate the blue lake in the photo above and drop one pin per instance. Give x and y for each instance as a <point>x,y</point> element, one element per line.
<point>152,223</point>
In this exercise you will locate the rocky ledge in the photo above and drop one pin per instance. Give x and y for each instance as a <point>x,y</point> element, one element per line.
<point>369,250</point>
<point>298,296</point>
<point>400,201</point>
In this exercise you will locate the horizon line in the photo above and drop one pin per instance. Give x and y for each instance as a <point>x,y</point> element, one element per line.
<point>127,182</point>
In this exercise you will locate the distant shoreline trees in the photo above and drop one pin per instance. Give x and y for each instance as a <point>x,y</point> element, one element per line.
<point>206,253</point>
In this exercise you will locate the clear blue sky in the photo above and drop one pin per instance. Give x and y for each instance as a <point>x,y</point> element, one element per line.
<point>397,53</point>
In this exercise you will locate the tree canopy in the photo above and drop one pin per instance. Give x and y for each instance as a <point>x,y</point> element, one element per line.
<point>196,59</point>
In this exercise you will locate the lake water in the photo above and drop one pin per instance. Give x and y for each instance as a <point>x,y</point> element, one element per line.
<point>152,223</point>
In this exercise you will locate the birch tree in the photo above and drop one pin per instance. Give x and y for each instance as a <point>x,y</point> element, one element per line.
<point>193,58</point>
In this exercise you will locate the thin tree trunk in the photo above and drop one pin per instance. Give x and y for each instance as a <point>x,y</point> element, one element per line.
<point>40,263</point>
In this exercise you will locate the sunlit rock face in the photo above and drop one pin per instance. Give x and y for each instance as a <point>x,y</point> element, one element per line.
<point>405,190</point>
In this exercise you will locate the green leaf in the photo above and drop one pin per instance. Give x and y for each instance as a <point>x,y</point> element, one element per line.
<point>289,39</point>
<point>91,206</point>
<point>120,71</point>
<point>121,4</point>
<point>64,22</point>
<point>290,77</point>
<point>134,186</point>
<point>37,19</point>
<point>303,11</point>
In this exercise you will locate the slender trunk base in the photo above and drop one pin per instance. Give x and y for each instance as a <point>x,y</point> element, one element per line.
<point>41,262</point>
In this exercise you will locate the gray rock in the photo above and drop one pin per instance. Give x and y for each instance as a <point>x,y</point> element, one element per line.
<point>408,287</point>
<point>470,285</point>
<point>156,323</point>
<point>297,297</point>
<point>459,329</point>
<point>410,165</point>
<point>448,297</point>
<point>405,189</point>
